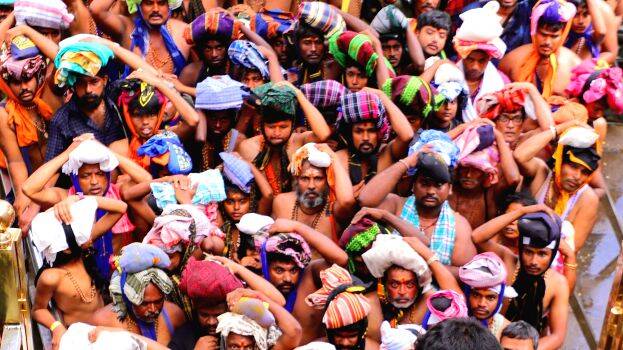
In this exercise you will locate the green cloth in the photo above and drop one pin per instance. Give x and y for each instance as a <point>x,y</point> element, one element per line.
<point>135,286</point>
<point>359,242</point>
<point>83,58</point>
<point>277,97</point>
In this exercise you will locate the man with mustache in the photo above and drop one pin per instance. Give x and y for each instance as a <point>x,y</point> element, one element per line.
<point>540,288</point>
<point>151,33</point>
<point>323,194</point>
<point>445,231</point>
<point>484,278</point>
<point>363,126</point>
<point>138,288</point>
<point>432,30</point>
<point>207,283</point>
<point>545,62</point>
<point>405,269</point>
<point>563,183</point>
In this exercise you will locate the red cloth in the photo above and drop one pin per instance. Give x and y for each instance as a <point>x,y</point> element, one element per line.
<point>205,279</point>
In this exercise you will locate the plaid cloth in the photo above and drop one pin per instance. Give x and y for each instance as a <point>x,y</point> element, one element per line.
<point>281,98</point>
<point>361,106</point>
<point>134,288</point>
<point>321,16</point>
<point>237,171</point>
<point>324,94</point>
<point>210,186</point>
<point>51,14</point>
<point>218,93</point>
<point>442,240</point>
<point>245,53</point>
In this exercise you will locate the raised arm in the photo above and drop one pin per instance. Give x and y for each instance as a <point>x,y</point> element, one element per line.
<point>415,49</point>
<point>441,274</point>
<point>330,251</point>
<point>254,281</point>
<point>383,183</point>
<point>113,24</point>
<point>135,171</point>
<point>597,20</point>
<point>265,204</point>
<point>344,195</point>
<point>317,124</point>
<point>542,109</point>
<point>507,162</point>
<point>405,228</point>
<point>274,68</point>
<point>14,161</point>
<point>399,123</point>
<point>46,286</point>
<point>43,43</point>
<point>128,57</point>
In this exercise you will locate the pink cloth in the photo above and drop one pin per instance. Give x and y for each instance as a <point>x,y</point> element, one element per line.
<point>124,225</point>
<point>331,278</point>
<point>483,271</point>
<point>608,83</point>
<point>485,160</point>
<point>457,308</point>
<point>468,141</point>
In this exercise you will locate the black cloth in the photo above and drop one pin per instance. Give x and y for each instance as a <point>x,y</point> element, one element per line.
<point>185,337</point>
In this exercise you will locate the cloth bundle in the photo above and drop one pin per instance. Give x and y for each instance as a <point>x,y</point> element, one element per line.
<point>321,16</point>
<point>310,153</point>
<point>270,24</point>
<point>480,30</point>
<point>230,322</point>
<point>485,160</point>
<point>213,24</point>
<point>23,62</point>
<point>51,14</point>
<point>137,257</point>
<point>440,143</point>
<point>256,310</point>
<point>388,250</point>
<point>81,58</point>
<point>507,100</point>
<point>47,232</point>
<point>237,171</point>
<point>209,186</point>
<point>208,281</point>
<point>166,150</point>
<point>77,337</point>
<point>219,93</point>
<point>355,46</point>
<point>410,93</point>
<point>90,152</point>
<point>358,236</point>
<point>363,106</point>
<point>592,81</point>
<point>485,270</point>
<point>134,288</point>
<point>277,97</point>
<point>396,338</point>
<point>474,139</point>
<point>540,230</point>
<point>566,110</point>
<point>389,20</point>
<point>291,245</point>
<point>252,223</point>
<point>347,307</point>
<point>245,53</point>
<point>456,309</point>
<point>180,225</point>
<point>324,94</point>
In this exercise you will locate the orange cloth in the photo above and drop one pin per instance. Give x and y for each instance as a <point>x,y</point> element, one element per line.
<point>136,141</point>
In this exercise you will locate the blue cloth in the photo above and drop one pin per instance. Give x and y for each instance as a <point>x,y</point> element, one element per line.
<point>245,53</point>
<point>159,145</point>
<point>237,171</point>
<point>219,93</point>
<point>440,143</point>
<point>136,257</point>
<point>291,297</point>
<point>164,193</point>
<point>442,239</point>
<point>588,40</point>
<point>210,187</point>
<point>70,122</point>
<point>68,68</point>
<point>140,38</point>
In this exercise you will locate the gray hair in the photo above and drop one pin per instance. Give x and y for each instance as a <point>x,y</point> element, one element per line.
<point>522,330</point>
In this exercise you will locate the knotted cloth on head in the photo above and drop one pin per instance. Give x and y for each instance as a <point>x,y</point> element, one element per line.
<point>507,100</point>
<point>214,24</point>
<point>51,14</point>
<point>548,11</point>
<point>480,30</point>
<point>166,150</point>
<point>324,94</point>
<point>80,58</point>
<point>362,106</point>
<point>279,98</point>
<point>357,47</point>
<point>411,94</point>
<point>230,322</point>
<point>396,338</point>
<point>219,93</point>
<point>594,80</point>
<point>245,53</point>
<point>359,236</point>
<point>321,16</point>
<point>454,303</point>
<point>344,307</point>
<point>207,281</point>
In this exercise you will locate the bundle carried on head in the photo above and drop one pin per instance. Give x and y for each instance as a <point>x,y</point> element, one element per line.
<point>80,58</point>
<point>594,80</point>
<point>277,101</point>
<point>52,14</point>
<point>270,24</point>
<point>324,94</point>
<point>220,92</point>
<point>507,100</point>
<point>358,48</point>
<point>166,150</point>
<point>480,30</point>
<point>411,94</point>
<point>362,106</point>
<point>389,20</point>
<point>214,24</point>
<point>441,144</point>
<point>208,281</point>
<point>321,16</point>
<point>245,53</point>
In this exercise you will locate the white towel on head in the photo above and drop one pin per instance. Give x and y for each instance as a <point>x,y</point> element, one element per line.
<point>251,223</point>
<point>396,338</point>
<point>579,137</point>
<point>316,157</point>
<point>316,345</point>
<point>90,152</point>
<point>77,338</point>
<point>47,232</point>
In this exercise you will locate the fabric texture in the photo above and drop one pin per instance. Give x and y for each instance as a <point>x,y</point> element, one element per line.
<point>251,223</point>
<point>207,280</point>
<point>81,58</point>
<point>362,106</point>
<point>504,101</point>
<point>134,288</point>
<point>213,24</point>
<point>256,310</point>
<point>230,322</point>
<point>473,139</point>
<point>291,245</point>
<point>593,80</point>
<point>209,186</point>
<point>440,143</point>
<point>456,309</point>
<point>396,338</point>
<point>357,47</point>
<point>77,337</point>
<point>410,93</point>
<point>389,20</point>
<point>484,270</point>
<point>270,24</point>
<point>277,97</point>
<point>136,257</point>
<point>219,93</point>
<point>481,30</point>
<point>485,160</point>
<point>324,94</point>
<point>331,278</point>
<point>51,14</point>
<point>47,232</point>
<point>321,16</point>
<point>237,171</point>
<point>166,150</point>
<point>442,239</point>
<point>389,250</point>
<point>90,152</point>
<point>245,53</point>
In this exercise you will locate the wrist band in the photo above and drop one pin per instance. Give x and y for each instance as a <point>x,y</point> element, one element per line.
<point>571,266</point>
<point>432,259</point>
<point>553,130</point>
<point>403,162</point>
<point>55,325</point>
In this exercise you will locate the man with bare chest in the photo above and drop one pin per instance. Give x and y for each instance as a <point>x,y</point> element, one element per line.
<point>446,232</point>
<point>270,152</point>
<point>139,293</point>
<point>322,196</point>
<point>151,33</point>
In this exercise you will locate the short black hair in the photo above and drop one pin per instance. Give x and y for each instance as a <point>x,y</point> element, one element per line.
<point>303,30</point>
<point>550,26</point>
<point>524,198</point>
<point>277,257</point>
<point>522,330</point>
<point>458,334</point>
<point>434,18</point>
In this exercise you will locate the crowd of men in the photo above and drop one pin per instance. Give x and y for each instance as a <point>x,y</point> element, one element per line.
<point>350,174</point>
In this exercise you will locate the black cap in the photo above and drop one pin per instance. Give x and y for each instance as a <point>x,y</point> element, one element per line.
<point>434,167</point>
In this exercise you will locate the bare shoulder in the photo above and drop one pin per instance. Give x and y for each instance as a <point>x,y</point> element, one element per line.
<point>588,197</point>
<point>568,57</point>
<point>49,278</point>
<point>557,282</point>
<point>249,148</point>
<point>461,224</point>
<point>282,203</point>
<point>175,313</point>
